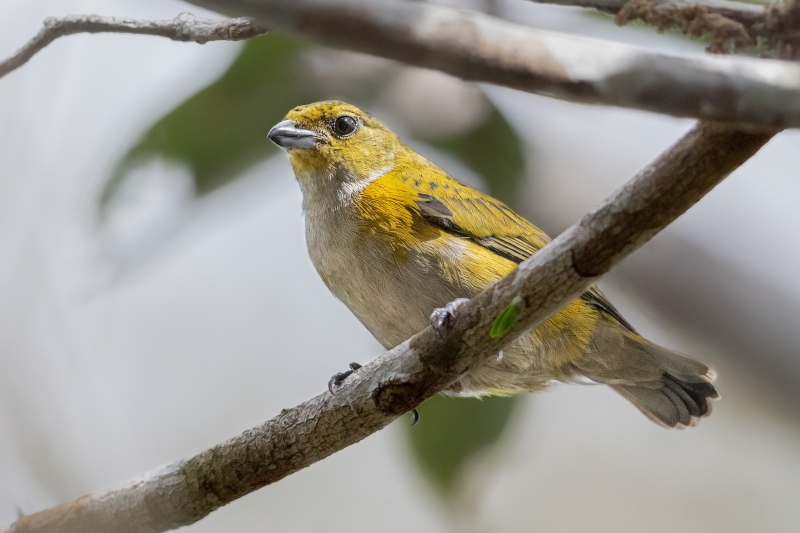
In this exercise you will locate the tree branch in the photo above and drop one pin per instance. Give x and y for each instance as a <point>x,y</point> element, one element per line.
<point>186,491</point>
<point>477,47</point>
<point>184,27</point>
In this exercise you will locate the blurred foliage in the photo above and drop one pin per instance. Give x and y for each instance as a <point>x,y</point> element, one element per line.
<point>221,130</point>
<point>452,431</point>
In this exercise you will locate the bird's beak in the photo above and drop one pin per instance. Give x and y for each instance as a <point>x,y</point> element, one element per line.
<point>287,135</point>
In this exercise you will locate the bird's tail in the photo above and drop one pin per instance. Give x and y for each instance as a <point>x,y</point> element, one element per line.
<point>681,397</point>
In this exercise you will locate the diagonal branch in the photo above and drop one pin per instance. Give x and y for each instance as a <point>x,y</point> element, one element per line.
<point>186,491</point>
<point>477,47</point>
<point>184,27</point>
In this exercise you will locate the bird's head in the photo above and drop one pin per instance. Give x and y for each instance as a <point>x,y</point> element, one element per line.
<point>326,138</point>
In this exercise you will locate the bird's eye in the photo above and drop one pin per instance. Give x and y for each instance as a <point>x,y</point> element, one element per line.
<point>344,125</point>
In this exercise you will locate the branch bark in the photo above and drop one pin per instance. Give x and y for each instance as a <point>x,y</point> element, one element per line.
<point>187,490</point>
<point>184,27</point>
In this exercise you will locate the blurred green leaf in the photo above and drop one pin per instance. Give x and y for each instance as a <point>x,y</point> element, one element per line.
<point>452,431</point>
<point>221,130</point>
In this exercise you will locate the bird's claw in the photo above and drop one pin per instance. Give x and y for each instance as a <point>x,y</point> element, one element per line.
<point>442,317</point>
<point>339,377</point>
<point>414,417</point>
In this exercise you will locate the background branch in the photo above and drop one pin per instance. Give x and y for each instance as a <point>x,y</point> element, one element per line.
<point>184,27</point>
<point>186,491</point>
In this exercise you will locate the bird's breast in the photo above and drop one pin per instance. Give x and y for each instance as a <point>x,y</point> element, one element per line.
<point>391,292</point>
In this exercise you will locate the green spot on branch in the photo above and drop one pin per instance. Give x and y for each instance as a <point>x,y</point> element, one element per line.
<point>507,317</point>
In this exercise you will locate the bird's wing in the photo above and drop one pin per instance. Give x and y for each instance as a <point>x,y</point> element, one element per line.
<point>463,210</point>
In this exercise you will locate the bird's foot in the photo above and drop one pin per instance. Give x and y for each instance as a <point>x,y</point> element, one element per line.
<point>414,417</point>
<point>442,317</point>
<point>338,378</point>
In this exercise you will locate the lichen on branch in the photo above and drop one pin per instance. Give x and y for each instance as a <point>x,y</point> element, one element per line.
<point>694,20</point>
<point>776,30</point>
<point>781,30</point>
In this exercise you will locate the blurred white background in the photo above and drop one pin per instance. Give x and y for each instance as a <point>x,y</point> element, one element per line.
<point>180,322</point>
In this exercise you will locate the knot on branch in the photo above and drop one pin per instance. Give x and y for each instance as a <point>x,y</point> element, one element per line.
<point>693,20</point>
<point>240,29</point>
<point>397,396</point>
<point>188,27</point>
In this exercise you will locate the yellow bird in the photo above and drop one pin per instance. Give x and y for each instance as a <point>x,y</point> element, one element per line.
<point>401,243</point>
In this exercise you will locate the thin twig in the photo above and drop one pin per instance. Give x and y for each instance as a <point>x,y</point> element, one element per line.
<point>477,47</point>
<point>186,491</point>
<point>184,27</point>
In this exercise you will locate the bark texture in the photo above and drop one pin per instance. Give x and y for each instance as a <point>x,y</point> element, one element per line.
<point>185,491</point>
